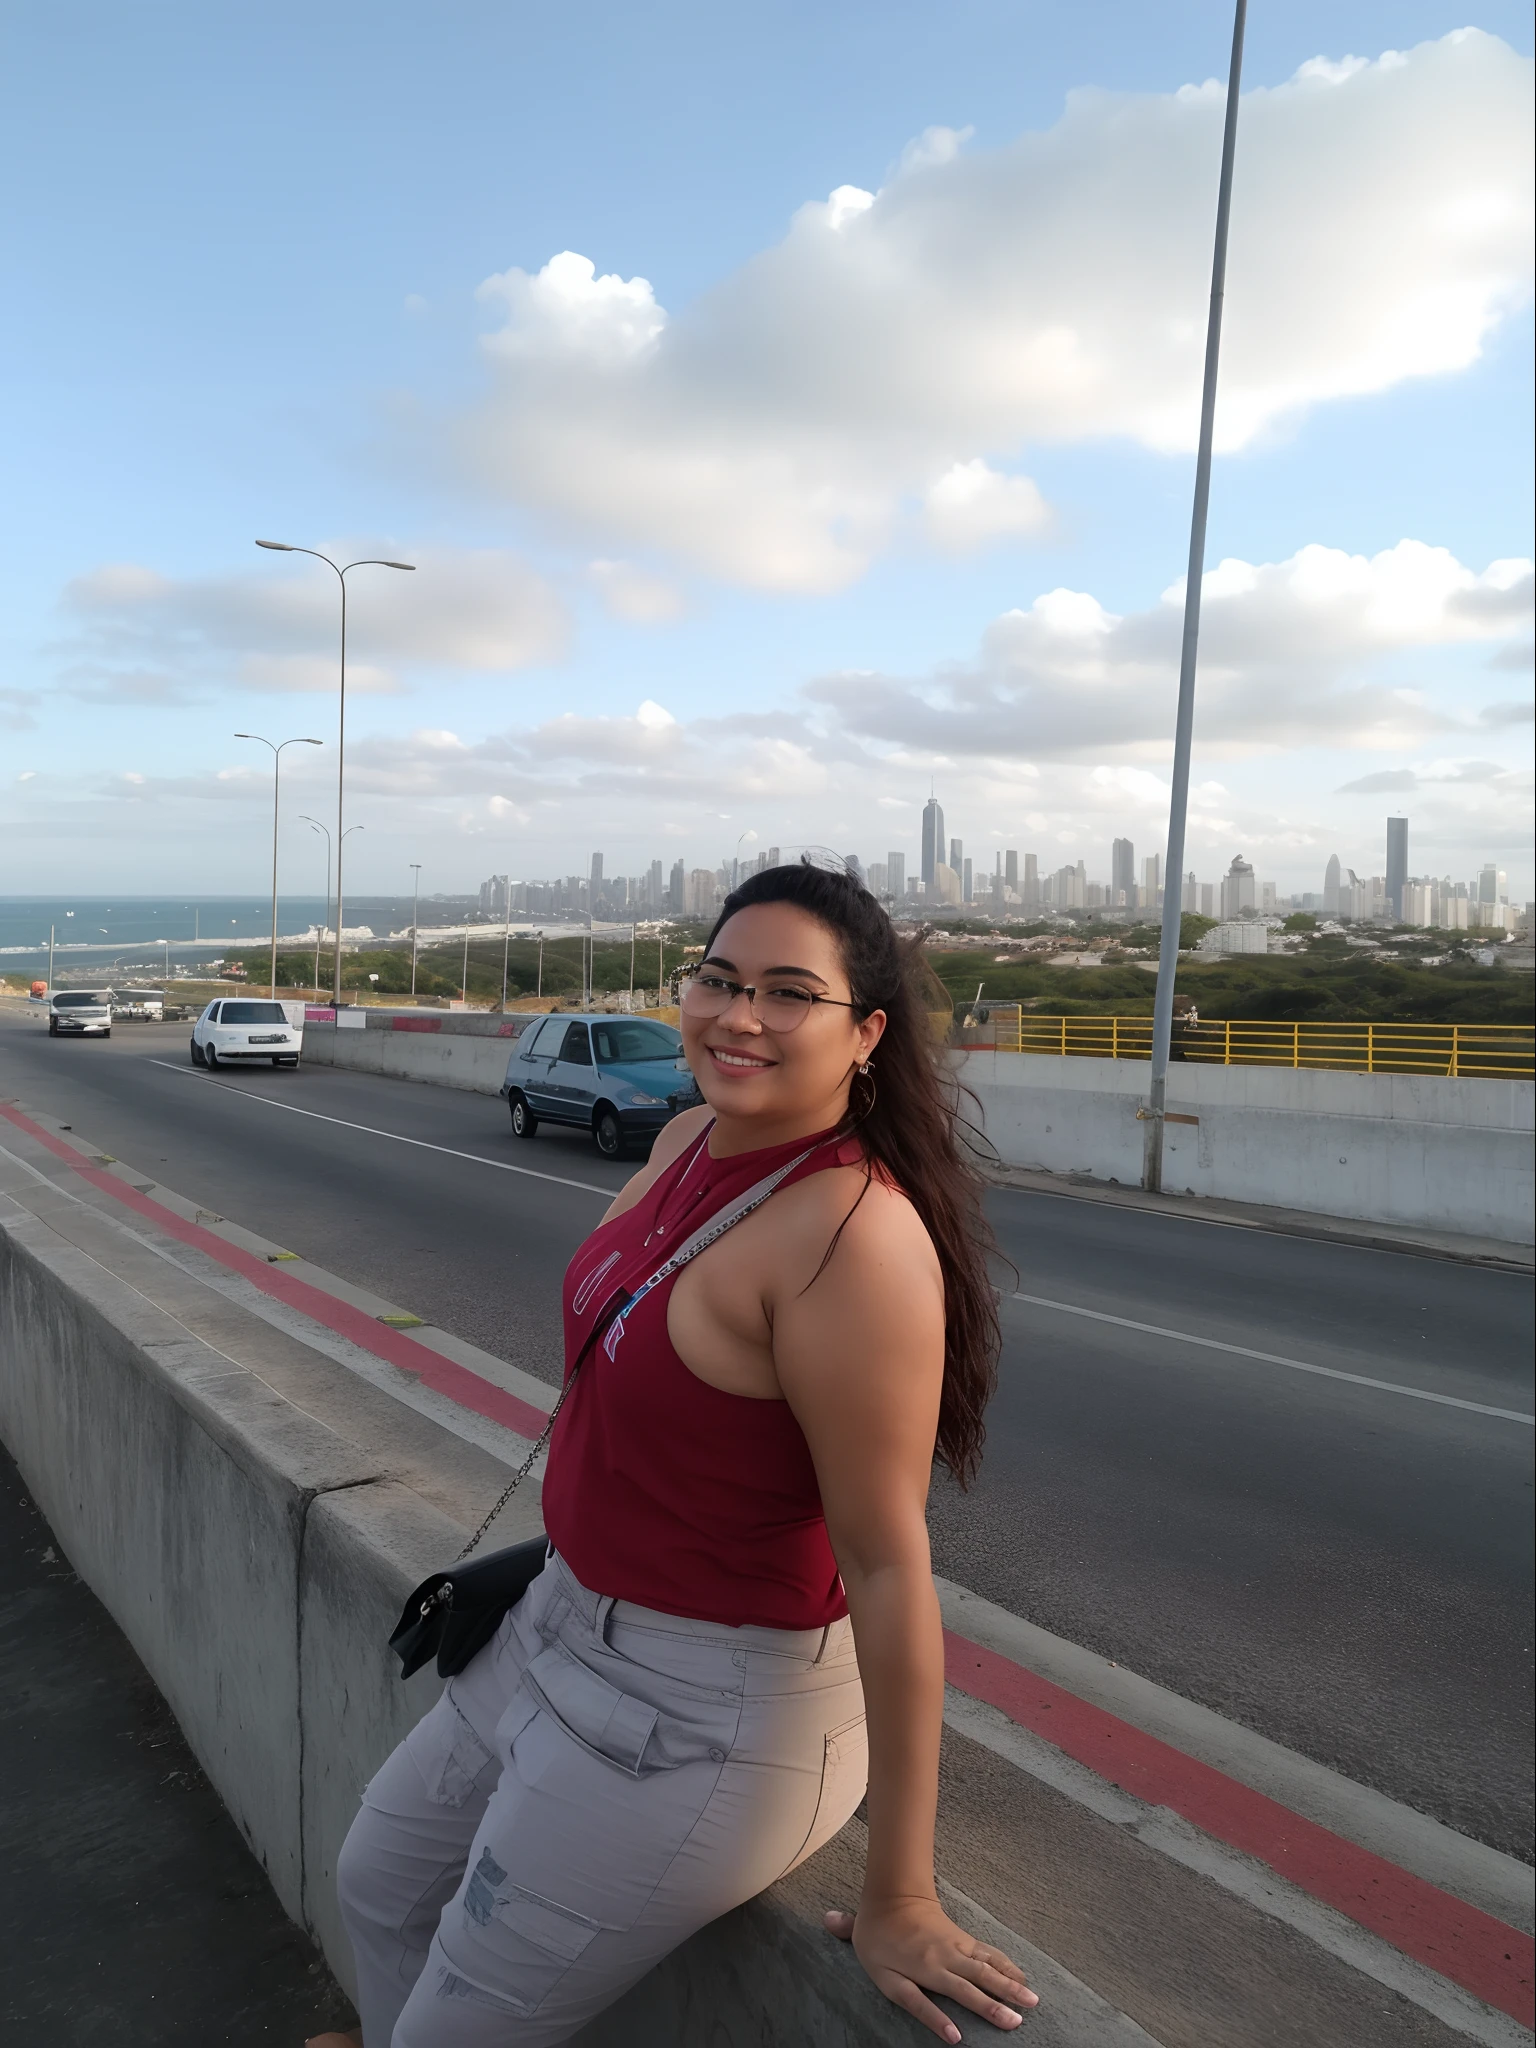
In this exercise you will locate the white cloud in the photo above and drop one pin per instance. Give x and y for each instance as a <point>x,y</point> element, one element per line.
<point>971,504</point>
<point>630,594</point>
<point>139,636</point>
<point>1291,655</point>
<point>781,429</point>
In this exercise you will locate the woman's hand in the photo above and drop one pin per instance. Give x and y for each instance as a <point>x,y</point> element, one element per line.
<point>911,1945</point>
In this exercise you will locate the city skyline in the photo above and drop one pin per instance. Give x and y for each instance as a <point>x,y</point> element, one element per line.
<point>761,512</point>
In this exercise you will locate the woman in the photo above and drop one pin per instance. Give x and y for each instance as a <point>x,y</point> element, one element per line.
<point>674,1715</point>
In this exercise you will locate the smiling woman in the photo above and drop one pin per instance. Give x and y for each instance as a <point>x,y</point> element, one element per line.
<point>778,1323</point>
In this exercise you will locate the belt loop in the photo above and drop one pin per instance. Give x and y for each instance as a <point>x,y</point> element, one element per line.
<point>605,1607</point>
<point>821,1648</point>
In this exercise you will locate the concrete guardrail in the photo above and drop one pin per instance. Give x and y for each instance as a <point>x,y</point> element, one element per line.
<point>255,1546</point>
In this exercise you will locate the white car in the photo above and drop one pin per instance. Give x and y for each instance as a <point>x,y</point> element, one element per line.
<point>78,1013</point>
<point>241,1028</point>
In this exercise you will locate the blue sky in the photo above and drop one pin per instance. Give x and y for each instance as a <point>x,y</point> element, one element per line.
<point>802,492</point>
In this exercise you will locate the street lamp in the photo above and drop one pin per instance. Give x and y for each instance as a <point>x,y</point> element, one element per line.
<point>415,913</point>
<point>283,547</point>
<point>277,761</point>
<point>324,830</point>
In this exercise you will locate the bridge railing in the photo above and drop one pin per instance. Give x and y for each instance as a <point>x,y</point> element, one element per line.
<point>1461,1051</point>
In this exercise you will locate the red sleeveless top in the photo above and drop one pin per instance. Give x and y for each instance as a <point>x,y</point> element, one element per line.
<point>660,1488</point>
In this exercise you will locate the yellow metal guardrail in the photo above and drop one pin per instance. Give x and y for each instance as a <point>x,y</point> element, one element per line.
<point>1462,1051</point>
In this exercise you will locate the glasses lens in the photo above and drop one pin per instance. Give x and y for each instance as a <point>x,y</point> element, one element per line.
<point>782,1009</point>
<point>704,995</point>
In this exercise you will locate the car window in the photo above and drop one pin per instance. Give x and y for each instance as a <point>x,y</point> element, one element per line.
<point>577,1049</point>
<point>635,1038</point>
<point>541,1038</point>
<point>82,1001</point>
<point>212,1016</point>
<point>253,1013</point>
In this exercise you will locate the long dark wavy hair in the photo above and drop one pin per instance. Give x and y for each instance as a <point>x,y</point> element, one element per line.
<point>909,1124</point>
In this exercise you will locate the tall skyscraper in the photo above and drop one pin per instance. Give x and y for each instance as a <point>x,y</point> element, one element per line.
<point>1030,893</point>
<point>1122,874</point>
<point>896,875</point>
<point>855,867</point>
<point>1190,899</point>
<point>956,855</point>
<point>677,887</point>
<point>1011,870</point>
<point>773,858</point>
<point>1397,864</point>
<point>657,901</point>
<point>597,869</point>
<point>1151,881</point>
<point>1237,891</point>
<point>933,840</point>
<point>966,881</point>
<point>1332,877</point>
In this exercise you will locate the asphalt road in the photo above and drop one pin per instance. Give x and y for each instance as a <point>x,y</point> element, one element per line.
<point>1345,1568</point>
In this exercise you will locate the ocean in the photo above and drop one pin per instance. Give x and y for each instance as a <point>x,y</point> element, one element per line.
<point>130,932</point>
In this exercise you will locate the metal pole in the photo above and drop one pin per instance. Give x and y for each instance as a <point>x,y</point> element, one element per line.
<point>464,985</point>
<point>506,936</point>
<point>540,989</point>
<point>1173,864</point>
<point>415,914</point>
<point>51,930</point>
<point>634,934</point>
<point>341,767</point>
<point>277,761</point>
<point>661,968</point>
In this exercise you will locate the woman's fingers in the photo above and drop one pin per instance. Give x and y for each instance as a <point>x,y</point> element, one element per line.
<point>1004,1965</point>
<point>1001,1978</point>
<point>909,1996</point>
<point>838,1923</point>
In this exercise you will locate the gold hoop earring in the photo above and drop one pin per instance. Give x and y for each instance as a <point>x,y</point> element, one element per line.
<point>860,1111</point>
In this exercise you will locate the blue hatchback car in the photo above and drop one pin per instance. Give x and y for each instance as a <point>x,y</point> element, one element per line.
<point>621,1078</point>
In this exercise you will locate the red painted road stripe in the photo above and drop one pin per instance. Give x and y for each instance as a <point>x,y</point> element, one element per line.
<point>1492,1961</point>
<point>457,1382</point>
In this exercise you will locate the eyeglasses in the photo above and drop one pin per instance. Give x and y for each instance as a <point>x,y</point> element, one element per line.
<point>777,1009</point>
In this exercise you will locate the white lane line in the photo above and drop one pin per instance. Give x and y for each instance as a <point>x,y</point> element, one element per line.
<point>1327,1372</point>
<point>478,1159</point>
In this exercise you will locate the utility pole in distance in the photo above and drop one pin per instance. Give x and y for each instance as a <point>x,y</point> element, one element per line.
<point>415,914</point>
<point>1178,807</point>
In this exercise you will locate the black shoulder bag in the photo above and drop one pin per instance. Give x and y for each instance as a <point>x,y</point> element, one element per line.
<point>453,1614</point>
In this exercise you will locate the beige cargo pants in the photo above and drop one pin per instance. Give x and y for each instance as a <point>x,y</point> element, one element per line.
<point>599,1783</point>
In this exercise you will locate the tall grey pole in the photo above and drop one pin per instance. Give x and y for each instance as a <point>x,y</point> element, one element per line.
<point>277,762</point>
<point>51,930</point>
<point>1173,866</point>
<point>506,935</point>
<point>315,825</point>
<point>415,915</point>
<point>283,547</point>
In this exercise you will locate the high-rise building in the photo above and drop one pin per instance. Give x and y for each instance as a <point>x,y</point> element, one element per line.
<point>1397,864</point>
<point>702,892</point>
<point>654,891</point>
<point>1332,882</point>
<point>1122,874</point>
<point>1189,898</point>
<point>879,881</point>
<point>773,858</point>
<point>1207,899</point>
<point>1492,884</point>
<point>597,870</point>
<point>677,889</point>
<point>946,883</point>
<point>1011,870</point>
<point>1030,893</point>
<point>956,855</point>
<point>1152,881</point>
<point>1237,889</point>
<point>855,868</point>
<point>965,883</point>
<point>896,875</point>
<point>933,840</point>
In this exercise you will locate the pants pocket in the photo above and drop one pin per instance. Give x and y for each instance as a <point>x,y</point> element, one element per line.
<point>844,1776</point>
<point>630,1734</point>
<point>534,1940</point>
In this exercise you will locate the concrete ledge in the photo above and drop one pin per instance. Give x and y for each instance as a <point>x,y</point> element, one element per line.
<point>1411,1150</point>
<point>450,1057</point>
<point>256,1558</point>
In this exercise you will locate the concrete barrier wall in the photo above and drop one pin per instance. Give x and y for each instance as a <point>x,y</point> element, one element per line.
<point>452,1050</point>
<point>256,1558</point>
<point>1412,1149</point>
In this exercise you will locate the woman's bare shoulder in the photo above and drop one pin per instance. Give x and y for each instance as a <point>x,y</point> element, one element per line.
<point>873,1219</point>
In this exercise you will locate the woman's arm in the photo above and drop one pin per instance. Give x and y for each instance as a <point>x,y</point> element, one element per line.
<point>860,1357</point>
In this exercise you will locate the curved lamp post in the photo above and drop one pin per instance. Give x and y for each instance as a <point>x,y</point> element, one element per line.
<point>283,547</point>
<point>277,747</point>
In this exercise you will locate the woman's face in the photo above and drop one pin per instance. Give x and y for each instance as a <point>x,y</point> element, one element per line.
<point>798,1078</point>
